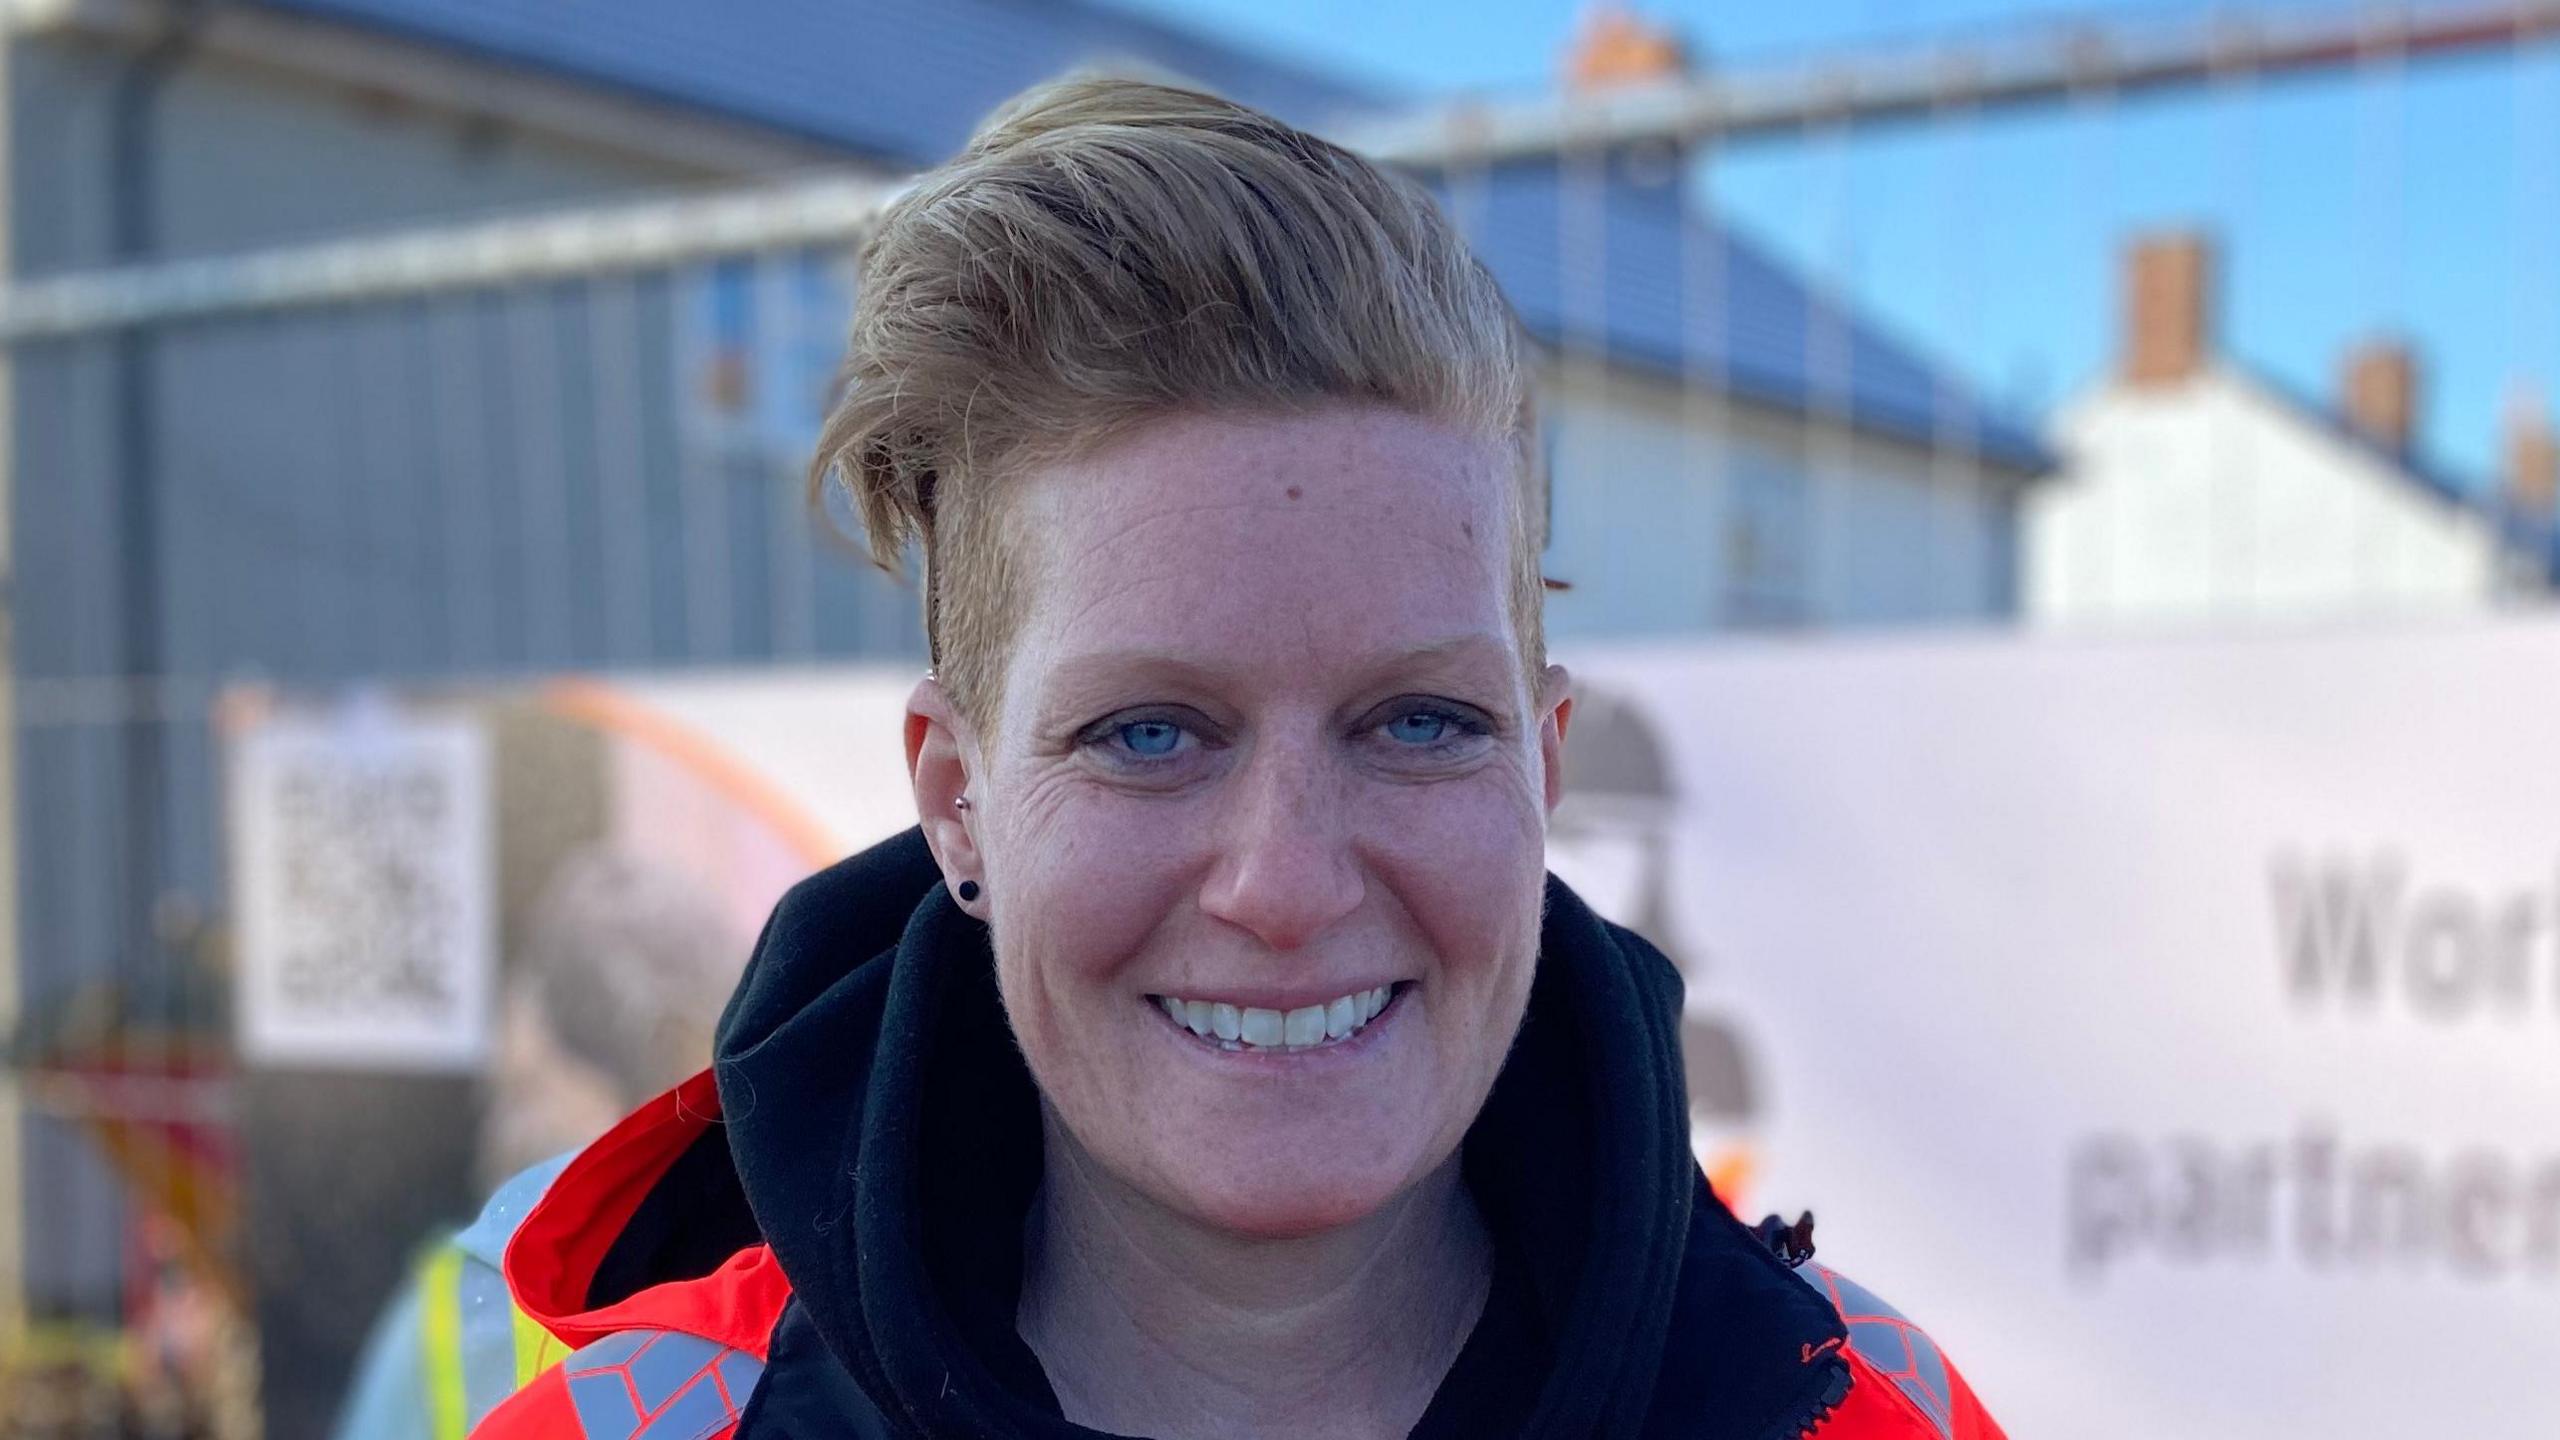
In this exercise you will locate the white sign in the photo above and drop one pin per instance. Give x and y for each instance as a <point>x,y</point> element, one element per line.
<point>2172,1027</point>
<point>361,876</point>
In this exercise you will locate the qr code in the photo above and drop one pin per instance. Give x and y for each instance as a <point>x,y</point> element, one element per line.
<point>363,877</point>
<point>369,913</point>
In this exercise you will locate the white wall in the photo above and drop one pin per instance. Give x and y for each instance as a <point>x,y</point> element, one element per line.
<point>1678,514</point>
<point>2218,498</point>
<point>1618,453</point>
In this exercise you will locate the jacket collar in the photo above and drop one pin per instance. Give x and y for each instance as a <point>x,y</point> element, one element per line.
<point>569,1237</point>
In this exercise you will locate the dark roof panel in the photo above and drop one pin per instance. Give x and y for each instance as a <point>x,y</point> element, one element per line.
<point>904,81</point>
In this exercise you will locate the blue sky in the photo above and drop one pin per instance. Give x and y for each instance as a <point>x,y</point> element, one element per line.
<point>2426,204</point>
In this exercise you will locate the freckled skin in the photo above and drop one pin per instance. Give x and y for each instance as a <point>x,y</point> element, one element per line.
<point>1295,811</point>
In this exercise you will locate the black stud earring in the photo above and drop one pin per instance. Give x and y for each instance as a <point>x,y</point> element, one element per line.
<point>968,889</point>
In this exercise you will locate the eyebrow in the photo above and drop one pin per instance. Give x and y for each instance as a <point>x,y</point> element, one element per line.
<point>1100,666</point>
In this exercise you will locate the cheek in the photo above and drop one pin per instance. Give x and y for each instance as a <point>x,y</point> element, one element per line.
<point>1079,883</point>
<point>1470,873</point>
<point>1469,862</point>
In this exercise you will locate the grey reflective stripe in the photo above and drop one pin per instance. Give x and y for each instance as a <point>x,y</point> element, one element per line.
<point>658,1385</point>
<point>1898,1349</point>
<point>488,1338</point>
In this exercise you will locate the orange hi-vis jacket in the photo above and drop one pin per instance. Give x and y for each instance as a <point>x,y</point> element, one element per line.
<point>682,1360</point>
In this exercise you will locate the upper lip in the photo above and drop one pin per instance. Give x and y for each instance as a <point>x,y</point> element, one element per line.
<point>1263,997</point>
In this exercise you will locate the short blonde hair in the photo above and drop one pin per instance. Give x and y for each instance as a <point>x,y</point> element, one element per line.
<point>1106,252</point>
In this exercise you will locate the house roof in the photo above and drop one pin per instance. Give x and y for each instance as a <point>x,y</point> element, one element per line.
<point>904,82</point>
<point>1703,302</point>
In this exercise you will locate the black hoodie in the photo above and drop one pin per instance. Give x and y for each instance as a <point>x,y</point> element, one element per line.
<point>883,1131</point>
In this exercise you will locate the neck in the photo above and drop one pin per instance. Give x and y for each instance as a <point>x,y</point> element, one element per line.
<point>1149,1323</point>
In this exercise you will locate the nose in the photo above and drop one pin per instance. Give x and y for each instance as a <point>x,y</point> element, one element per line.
<point>1288,869</point>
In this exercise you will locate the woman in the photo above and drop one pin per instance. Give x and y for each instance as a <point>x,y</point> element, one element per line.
<point>1215,1057</point>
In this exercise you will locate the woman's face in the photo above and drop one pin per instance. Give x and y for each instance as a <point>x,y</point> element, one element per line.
<point>1261,820</point>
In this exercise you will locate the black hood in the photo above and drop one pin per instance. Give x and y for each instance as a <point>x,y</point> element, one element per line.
<point>885,1133</point>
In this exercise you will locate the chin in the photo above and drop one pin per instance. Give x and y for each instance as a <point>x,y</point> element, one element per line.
<point>1286,1201</point>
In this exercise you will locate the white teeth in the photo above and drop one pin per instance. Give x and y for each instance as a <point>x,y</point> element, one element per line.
<point>1243,1026</point>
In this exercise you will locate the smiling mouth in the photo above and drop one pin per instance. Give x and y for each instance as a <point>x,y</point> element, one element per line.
<point>1251,1027</point>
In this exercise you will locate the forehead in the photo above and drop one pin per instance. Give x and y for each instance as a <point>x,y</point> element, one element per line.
<point>1304,542</point>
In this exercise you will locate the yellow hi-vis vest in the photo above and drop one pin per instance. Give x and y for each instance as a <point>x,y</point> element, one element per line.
<point>475,1348</point>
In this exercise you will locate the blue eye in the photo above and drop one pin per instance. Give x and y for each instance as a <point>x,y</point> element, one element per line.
<point>1426,726</point>
<point>1150,738</point>
<point>1160,745</point>
<point>1419,727</point>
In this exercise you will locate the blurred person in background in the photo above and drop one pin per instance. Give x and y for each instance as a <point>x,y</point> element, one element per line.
<point>1216,1057</point>
<point>1611,840</point>
<point>624,966</point>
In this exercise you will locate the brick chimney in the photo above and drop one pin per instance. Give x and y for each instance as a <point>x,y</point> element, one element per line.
<point>2168,308</point>
<point>1615,47</point>
<point>2533,458</point>
<point>2378,393</point>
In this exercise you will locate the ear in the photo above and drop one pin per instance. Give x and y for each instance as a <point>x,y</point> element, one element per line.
<point>1555,701</point>
<point>940,752</point>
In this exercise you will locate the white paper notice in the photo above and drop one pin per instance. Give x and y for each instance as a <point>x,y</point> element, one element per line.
<point>362,875</point>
